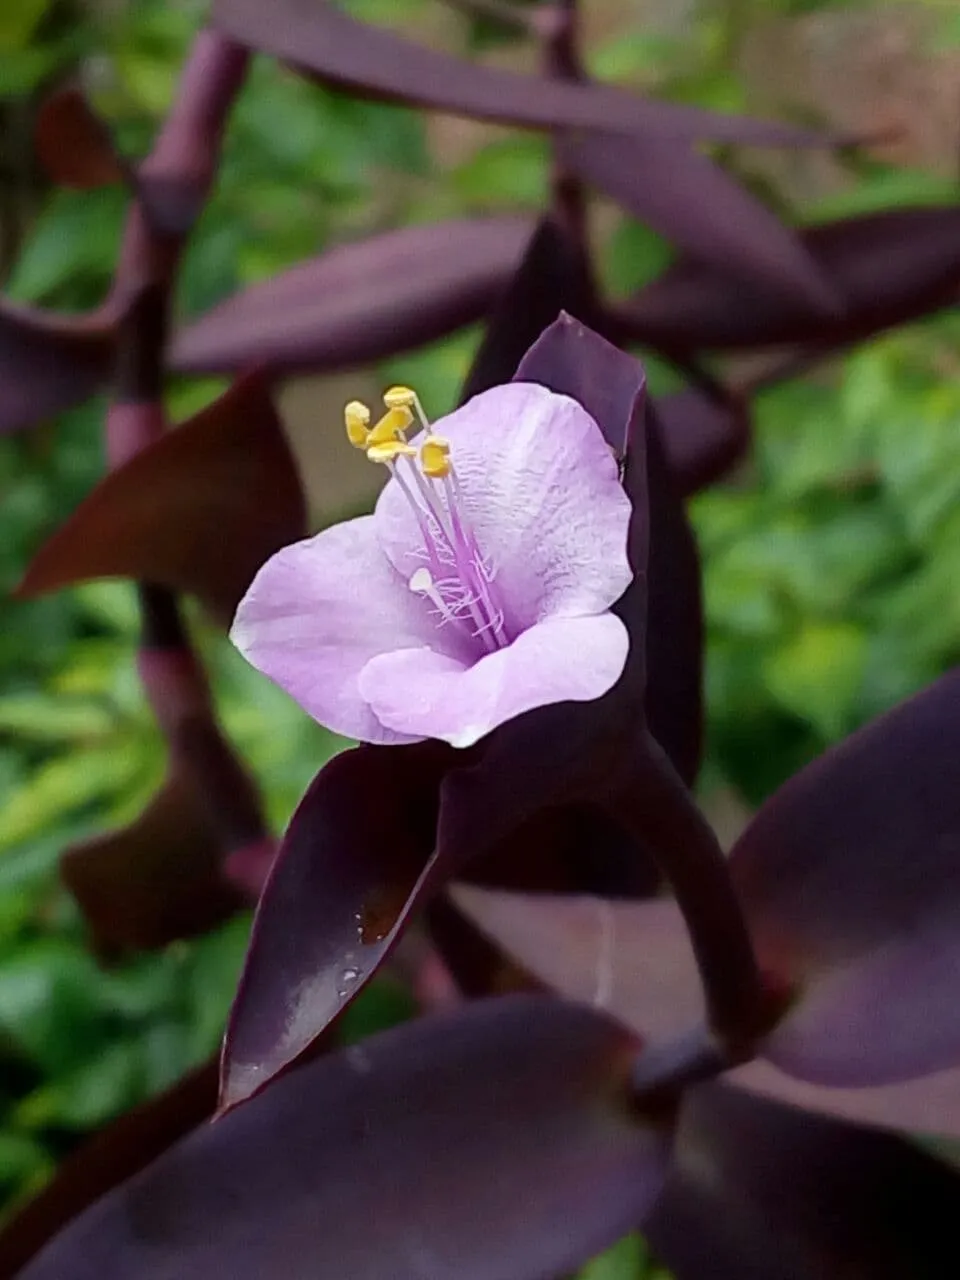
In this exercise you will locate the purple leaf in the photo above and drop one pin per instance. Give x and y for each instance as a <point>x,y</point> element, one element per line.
<point>850,877</point>
<point>73,143</point>
<point>116,1153</point>
<point>359,302</point>
<point>48,363</point>
<point>930,1105</point>
<point>552,277</point>
<point>356,858</point>
<point>198,511</point>
<point>153,881</point>
<point>698,207</point>
<point>886,267</point>
<point>662,604</point>
<point>674,615</point>
<point>494,1144</point>
<point>703,436</point>
<point>349,873</point>
<point>321,39</point>
<point>766,1192</point>
<point>632,959</point>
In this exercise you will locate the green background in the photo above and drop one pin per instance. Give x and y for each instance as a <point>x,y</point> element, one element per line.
<point>831,558</point>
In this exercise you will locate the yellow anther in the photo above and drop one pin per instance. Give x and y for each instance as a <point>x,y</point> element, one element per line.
<point>435,457</point>
<point>390,450</point>
<point>400,398</point>
<point>390,427</point>
<point>356,417</point>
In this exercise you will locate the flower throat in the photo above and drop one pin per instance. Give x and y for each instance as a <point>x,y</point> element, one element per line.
<point>456,579</point>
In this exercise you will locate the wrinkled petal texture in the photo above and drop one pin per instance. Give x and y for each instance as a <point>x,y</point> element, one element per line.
<point>332,620</point>
<point>315,615</point>
<point>542,495</point>
<point>437,696</point>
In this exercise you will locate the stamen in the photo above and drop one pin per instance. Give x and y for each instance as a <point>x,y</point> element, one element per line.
<point>390,450</point>
<point>356,418</point>
<point>407,398</point>
<point>400,398</point>
<point>435,458</point>
<point>457,577</point>
<point>391,426</point>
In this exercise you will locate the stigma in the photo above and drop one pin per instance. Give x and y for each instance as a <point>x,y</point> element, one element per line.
<point>454,579</point>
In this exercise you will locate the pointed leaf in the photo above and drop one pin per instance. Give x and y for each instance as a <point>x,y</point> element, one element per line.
<point>663,604</point>
<point>930,1105</point>
<point>153,881</point>
<point>48,363</point>
<point>359,302</point>
<point>695,205</point>
<point>199,511</point>
<point>674,700</point>
<point>553,276</point>
<point>850,876</point>
<point>703,437</point>
<point>320,38</point>
<point>632,959</point>
<point>494,1144</point>
<point>887,268</point>
<point>116,1153</point>
<point>74,144</point>
<point>356,858</point>
<point>766,1192</point>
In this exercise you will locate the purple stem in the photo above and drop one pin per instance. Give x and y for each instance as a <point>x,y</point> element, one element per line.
<point>651,803</point>
<point>171,187</point>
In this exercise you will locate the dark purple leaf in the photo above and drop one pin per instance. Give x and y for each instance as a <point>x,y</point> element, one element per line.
<point>48,363</point>
<point>494,1144</point>
<point>199,511</point>
<point>886,267</point>
<point>632,959</point>
<point>116,1153</point>
<point>761,1191</point>
<point>153,881</point>
<point>338,49</point>
<point>359,302</point>
<point>850,876</point>
<point>553,276</point>
<point>703,437</point>
<point>662,604</point>
<point>356,858</point>
<point>930,1105</point>
<point>698,207</point>
<point>73,143</point>
<point>674,699</point>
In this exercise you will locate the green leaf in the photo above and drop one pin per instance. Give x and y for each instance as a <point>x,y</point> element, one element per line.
<point>43,718</point>
<point>627,1260</point>
<point>71,253</point>
<point>18,21</point>
<point>511,171</point>
<point>66,785</point>
<point>90,1094</point>
<point>50,1006</point>
<point>634,255</point>
<point>817,675</point>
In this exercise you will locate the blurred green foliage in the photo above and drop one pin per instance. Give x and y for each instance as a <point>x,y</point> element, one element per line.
<point>831,560</point>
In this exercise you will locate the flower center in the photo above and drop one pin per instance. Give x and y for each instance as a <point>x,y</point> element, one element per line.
<point>455,579</point>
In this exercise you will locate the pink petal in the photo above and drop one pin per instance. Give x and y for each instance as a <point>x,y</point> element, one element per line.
<point>542,494</point>
<point>315,615</point>
<point>420,693</point>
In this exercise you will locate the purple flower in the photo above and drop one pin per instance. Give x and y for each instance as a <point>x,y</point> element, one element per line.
<point>480,588</point>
